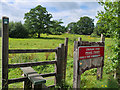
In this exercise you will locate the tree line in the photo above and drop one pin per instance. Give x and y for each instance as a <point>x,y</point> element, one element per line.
<point>38,21</point>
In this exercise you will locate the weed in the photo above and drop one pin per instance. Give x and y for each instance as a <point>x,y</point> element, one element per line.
<point>47,55</point>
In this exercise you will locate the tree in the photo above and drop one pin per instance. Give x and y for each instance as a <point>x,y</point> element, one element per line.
<point>107,20</point>
<point>37,20</point>
<point>111,17</point>
<point>99,28</point>
<point>57,28</point>
<point>85,25</point>
<point>17,30</point>
<point>71,27</point>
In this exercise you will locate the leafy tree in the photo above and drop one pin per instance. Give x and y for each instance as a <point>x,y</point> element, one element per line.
<point>57,28</point>
<point>71,27</point>
<point>11,26</point>
<point>98,29</point>
<point>111,18</point>
<point>85,25</point>
<point>37,20</point>
<point>17,30</point>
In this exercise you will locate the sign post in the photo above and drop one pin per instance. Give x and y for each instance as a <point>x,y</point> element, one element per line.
<point>87,55</point>
<point>5,24</point>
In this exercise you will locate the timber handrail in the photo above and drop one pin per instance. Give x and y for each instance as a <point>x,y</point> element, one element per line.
<point>31,50</point>
<point>31,64</point>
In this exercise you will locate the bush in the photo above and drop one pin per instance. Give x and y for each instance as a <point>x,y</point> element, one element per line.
<point>17,30</point>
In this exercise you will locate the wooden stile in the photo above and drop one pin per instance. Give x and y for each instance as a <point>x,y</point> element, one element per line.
<point>60,62</point>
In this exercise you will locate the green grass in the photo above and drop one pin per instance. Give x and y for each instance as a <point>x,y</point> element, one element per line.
<point>88,79</point>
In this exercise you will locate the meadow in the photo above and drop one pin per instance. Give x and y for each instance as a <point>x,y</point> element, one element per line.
<point>88,79</point>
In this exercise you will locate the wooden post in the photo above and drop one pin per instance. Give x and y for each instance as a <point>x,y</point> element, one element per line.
<point>76,76</point>
<point>37,87</point>
<point>59,65</point>
<point>100,69</point>
<point>27,85</point>
<point>5,23</point>
<point>79,39</point>
<point>65,62</point>
<point>57,58</point>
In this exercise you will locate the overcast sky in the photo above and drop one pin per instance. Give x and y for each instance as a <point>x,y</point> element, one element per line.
<point>67,10</point>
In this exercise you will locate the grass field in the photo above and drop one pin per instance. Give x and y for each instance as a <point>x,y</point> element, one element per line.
<point>88,79</point>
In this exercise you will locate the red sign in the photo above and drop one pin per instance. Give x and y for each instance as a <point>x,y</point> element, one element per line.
<point>87,52</point>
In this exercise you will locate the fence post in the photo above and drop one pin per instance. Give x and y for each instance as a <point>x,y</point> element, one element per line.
<point>65,62</point>
<point>5,23</point>
<point>76,76</point>
<point>59,65</point>
<point>100,69</point>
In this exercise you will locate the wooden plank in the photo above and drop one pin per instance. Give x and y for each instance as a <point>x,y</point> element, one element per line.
<point>48,74</point>
<point>17,80</point>
<point>31,64</point>
<point>25,78</point>
<point>5,45</point>
<point>33,76</point>
<point>91,43</point>
<point>89,64</point>
<point>65,62</point>
<point>31,50</point>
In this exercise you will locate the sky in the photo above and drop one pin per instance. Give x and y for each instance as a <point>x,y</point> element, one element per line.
<point>67,10</point>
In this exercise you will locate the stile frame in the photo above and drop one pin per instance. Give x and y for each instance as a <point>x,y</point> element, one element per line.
<point>60,61</point>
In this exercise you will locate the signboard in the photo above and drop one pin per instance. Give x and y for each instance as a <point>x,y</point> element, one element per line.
<point>88,52</point>
<point>5,21</point>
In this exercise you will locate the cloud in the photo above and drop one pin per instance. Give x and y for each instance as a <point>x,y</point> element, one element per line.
<point>12,12</point>
<point>74,14</point>
<point>67,11</point>
<point>50,0</point>
<point>61,6</point>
